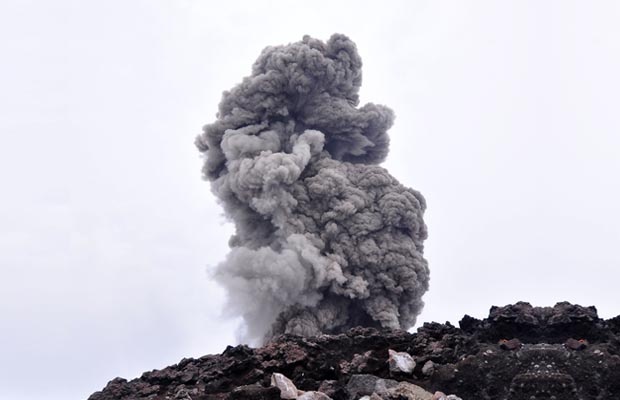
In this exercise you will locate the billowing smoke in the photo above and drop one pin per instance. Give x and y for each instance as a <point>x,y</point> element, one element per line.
<point>325,238</point>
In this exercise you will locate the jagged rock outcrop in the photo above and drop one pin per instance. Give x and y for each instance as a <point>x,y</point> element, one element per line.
<point>519,352</point>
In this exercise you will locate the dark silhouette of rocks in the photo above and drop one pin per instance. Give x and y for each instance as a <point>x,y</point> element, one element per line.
<point>519,352</point>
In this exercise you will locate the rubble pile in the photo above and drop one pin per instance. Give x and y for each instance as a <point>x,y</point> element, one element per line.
<point>519,352</point>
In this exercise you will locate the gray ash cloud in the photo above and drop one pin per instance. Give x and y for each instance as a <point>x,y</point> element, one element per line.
<point>325,238</point>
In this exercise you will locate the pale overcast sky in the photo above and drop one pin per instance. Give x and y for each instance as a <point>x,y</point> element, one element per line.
<point>507,121</point>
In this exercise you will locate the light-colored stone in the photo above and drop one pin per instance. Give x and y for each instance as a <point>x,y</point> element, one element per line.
<point>400,362</point>
<point>409,391</point>
<point>443,396</point>
<point>286,386</point>
<point>363,384</point>
<point>312,395</point>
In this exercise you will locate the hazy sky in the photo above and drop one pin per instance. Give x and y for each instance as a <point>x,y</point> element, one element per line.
<point>507,121</point>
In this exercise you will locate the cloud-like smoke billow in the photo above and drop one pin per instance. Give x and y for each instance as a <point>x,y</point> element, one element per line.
<point>325,238</point>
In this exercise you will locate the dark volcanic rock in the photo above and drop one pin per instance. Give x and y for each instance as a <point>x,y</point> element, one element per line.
<point>365,385</point>
<point>519,352</point>
<point>255,392</point>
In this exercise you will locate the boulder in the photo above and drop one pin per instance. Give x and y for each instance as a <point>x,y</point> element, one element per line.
<point>312,395</point>
<point>364,384</point>
<point>409,391</point>
<point>286,386</point>
<point>400,362</point>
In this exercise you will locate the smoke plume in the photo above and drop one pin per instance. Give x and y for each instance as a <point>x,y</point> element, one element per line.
<point>325,238</point>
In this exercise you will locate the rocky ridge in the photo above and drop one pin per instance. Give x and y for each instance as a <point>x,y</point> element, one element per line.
<point>519,352</point>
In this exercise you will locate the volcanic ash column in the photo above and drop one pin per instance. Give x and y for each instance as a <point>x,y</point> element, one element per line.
<point>325,238</point>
